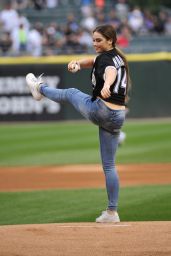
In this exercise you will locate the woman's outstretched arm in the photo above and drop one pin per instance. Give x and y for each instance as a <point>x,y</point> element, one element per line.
<point>82,63</point>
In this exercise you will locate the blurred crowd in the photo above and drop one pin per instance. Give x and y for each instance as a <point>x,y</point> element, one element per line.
<point>20,36</point>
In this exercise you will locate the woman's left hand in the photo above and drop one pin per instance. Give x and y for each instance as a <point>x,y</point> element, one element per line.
<point>105,92</point>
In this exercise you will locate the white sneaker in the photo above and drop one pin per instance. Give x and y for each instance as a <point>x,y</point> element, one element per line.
<point>122,137</point>
<point>33,84</point>
<point>105,217</point>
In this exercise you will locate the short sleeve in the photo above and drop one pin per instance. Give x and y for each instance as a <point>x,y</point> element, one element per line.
<point>104,62</point>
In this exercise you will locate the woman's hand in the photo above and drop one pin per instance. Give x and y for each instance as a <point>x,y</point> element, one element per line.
<point>105,92</point>
<point>73,66</point>
<point>82,63</point>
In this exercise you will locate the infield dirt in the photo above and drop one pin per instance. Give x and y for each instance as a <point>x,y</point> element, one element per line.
<point>84,239</point>
<point>80,176</point>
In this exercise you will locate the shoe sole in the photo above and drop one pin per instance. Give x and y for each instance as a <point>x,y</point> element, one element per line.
<point>36,95</point>
<point>107,221</point>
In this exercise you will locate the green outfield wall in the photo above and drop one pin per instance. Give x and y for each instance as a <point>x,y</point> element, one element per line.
<point>149,96</point>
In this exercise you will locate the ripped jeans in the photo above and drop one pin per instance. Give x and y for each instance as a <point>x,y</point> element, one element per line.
<point>109,122</point>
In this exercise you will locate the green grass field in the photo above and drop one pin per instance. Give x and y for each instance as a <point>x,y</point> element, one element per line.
<point>75,143</point>
<point>136,204</point>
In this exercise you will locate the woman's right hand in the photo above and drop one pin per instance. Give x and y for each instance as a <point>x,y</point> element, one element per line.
<point>82,63</point>
<point>73,66</point>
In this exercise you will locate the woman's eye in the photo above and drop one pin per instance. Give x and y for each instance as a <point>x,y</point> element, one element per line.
<point>98,40</point>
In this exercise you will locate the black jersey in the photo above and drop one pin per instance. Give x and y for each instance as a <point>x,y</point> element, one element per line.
<point>118,88</point>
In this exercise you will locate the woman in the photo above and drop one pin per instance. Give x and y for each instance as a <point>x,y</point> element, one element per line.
<point>105,108</point>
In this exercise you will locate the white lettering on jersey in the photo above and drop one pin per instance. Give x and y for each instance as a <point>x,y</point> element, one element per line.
<point>93,79</point>
<point>121,81</point>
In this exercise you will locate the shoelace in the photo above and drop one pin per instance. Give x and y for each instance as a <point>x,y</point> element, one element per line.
<point>39,79</point>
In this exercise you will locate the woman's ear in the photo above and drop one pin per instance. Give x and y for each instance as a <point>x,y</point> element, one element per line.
<point>110,42</point>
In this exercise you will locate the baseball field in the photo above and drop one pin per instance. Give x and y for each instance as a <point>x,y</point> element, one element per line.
<point>52,189</point>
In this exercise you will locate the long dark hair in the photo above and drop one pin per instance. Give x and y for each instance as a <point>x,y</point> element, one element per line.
<point>108,32</point>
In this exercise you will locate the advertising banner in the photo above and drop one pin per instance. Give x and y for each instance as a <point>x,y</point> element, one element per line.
<point>16,102</point>
<point>149,94</point>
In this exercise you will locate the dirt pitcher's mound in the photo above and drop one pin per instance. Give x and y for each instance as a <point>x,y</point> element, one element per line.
<point>87,239</point>
<point>80,176</point>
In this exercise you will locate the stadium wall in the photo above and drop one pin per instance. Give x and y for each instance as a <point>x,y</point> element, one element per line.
<point>149,96</point>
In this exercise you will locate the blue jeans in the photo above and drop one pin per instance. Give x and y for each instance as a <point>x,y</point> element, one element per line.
<point>109,122</point>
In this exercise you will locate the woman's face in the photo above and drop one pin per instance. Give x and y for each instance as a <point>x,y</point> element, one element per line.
<point>100,43</point>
